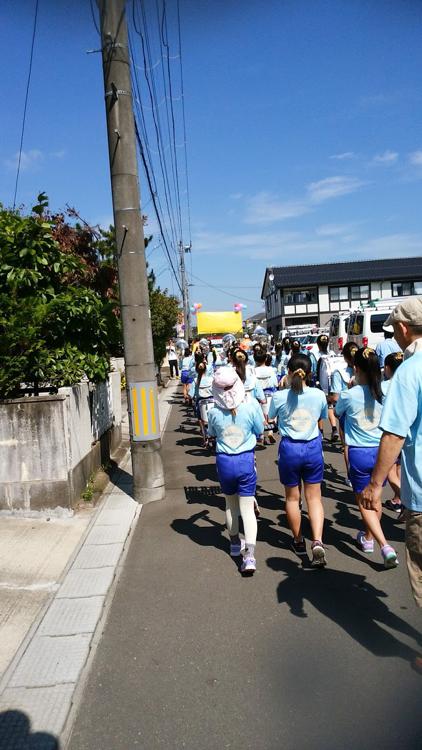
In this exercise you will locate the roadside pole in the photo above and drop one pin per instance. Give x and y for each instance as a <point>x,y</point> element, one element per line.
<point>185,290</point>
<point>145,440</point>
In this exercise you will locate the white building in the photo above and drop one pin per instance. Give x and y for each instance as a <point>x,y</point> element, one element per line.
<point>295,295</point>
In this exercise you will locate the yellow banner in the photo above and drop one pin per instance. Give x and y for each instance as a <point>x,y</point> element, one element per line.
<point>219,322</point>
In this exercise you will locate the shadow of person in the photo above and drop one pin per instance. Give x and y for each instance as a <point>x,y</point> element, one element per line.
<point>210,535</point>
<point>205,495</point>
<point>15,734</point>
<point>348,600</point>
<point>203,472</point>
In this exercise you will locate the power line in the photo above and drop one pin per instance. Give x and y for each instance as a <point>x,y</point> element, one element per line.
<point>219,289</point>
<point>94,17</point>
<point>184,124</point>
<point>154,200</point>
<point>31,57</point>
<point>167,47</point>
<point>152,90</point>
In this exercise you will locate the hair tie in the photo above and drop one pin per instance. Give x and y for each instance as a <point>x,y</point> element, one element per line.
<point>240,355</point>
<point>300,372</point>
<point>398,355</point>
<point>367,352</point>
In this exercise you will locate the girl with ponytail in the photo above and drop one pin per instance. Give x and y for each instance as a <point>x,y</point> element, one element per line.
<point>360,409</point>
<point>299,411</point>
<point>201,392</point>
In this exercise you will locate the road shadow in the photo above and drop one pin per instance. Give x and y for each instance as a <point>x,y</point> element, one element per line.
<point>210,535</point>
<point>348,600</point>
<point>15,734</point>
<point>204,472</point>
<point>206,496</point>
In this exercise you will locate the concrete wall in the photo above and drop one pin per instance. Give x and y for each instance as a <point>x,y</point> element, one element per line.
<point>50,445</point>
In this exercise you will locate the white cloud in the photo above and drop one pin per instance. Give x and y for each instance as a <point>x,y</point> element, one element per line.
<point>387,158</point>
<point>344,156</point>
<point>334,230</point>
<point>28,159</point>
<point>265,208</point>
<point>58,154</point>
<point>236,196</point>
<point>415,158</point>
<point>333,187</point>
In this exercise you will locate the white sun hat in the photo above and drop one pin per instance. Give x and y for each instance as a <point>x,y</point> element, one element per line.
<point>227,389</point>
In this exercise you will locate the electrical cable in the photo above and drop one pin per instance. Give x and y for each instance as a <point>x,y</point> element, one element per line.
<point>184,123</point>
<point>152,90</point>
<point>31,57</point>
<point>94,18</point>
<point>142,152</point>
<point>219,289</point>
<point>167,47</point>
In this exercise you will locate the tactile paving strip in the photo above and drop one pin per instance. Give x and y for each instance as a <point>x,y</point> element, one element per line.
<point>98,555</point>
<point>72,616</point>
<point>51,660</point>
<point>80,583</point>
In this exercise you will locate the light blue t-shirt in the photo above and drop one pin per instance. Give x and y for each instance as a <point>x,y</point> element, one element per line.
<point>402,415</point>
<point>252,386</point>
<point>362,416</point>
<point>340,380</point>
<point>298,414</point>
<point>386,347</point>
<point>236,434</point>
<point>187,363</point>
<point>203,389</point>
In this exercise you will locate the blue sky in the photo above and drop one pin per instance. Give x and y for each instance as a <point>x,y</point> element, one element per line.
<point>303,130</point>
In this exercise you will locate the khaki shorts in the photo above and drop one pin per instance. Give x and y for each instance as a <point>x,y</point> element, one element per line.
<point>414,553</point>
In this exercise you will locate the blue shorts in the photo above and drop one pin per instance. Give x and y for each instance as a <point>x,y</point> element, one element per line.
<point>237,473</point>
<point>361,465</point>
<point>300,460</point>
<point>186,378</point>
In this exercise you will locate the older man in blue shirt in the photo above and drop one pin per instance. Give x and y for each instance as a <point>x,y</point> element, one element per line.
<point>401,423</point>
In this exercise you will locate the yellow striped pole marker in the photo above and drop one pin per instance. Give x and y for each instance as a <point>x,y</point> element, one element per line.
<point>144,411</point>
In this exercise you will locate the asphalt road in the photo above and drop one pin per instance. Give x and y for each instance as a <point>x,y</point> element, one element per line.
<point>195,656</point>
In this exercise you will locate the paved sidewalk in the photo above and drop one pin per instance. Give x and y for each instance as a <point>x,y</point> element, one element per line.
<point>39,684</point>
<point>34,553</point>
<point>193,656</point>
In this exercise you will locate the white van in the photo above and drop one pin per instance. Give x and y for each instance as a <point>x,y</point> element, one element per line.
<point>366,323</point>
<point>338,331</point>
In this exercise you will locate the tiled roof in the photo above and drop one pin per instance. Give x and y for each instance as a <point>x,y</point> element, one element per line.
<point>350,272</point>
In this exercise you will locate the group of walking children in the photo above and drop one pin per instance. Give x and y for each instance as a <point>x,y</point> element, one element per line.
<point>247,397</point>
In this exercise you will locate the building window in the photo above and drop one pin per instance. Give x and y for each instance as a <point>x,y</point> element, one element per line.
<point>359,292</point>
<point>402,288</point>
<point>339,293</point>
<point>417,287</point>
<point>300,297</point>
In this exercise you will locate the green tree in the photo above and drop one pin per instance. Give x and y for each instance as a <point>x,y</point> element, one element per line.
<point>164,307</point>
<point>58,318</point>
<point>164,312</point>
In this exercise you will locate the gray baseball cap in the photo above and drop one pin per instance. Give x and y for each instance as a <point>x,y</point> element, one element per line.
<point>409,312</point>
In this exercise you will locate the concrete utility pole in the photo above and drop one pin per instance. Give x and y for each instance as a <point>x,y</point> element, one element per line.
<point>148,475</point>
<point>185,290</point>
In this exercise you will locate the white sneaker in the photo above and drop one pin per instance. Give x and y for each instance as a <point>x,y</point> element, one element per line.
<point>248,565</point>
<point>237,549</point>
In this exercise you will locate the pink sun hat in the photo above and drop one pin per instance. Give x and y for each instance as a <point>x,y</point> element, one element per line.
<point>227,389</point>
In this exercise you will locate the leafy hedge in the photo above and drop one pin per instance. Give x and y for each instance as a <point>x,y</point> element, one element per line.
<point>59,307</point>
